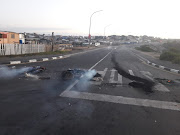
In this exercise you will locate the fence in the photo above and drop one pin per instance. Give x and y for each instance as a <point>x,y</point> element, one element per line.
<point>15,49</point>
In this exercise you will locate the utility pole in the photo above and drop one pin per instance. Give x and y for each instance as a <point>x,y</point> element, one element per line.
<point>52,41</point>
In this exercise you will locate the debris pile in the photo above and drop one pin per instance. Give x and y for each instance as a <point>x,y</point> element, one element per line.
<point>35,70</point>
<point>137,82</point>
<point>10,73</point>
<point>165,81</point>
<point>70,74</point>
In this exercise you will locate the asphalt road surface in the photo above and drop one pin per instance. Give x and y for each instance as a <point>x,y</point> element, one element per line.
<point>78,107</point>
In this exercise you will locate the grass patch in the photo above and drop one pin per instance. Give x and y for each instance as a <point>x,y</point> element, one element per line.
<point>35,54</point>
<point>145,48</point>
<point>172,55</point>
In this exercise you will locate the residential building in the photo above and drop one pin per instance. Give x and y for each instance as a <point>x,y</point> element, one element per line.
<point>21,38</point>
<point>7,37</point>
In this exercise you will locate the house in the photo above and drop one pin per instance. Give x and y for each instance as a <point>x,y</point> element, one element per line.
<point>7,37</point>
<point>32,38</point>
<point>21,38</point>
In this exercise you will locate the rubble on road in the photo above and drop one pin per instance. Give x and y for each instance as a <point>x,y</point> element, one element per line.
<point>91,75</point>
<point>165,81</point>
<point>35,69</point>
<point>36,77</point>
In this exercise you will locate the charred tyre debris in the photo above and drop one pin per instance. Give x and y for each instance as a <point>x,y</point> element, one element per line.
<point>137,82</point>
<point>90,75</point>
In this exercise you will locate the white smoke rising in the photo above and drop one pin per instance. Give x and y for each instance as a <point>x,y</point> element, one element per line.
<point>85,80</point>
<point>8,73</point>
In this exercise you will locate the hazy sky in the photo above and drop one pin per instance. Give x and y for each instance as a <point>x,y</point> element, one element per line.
<point>158,18</point>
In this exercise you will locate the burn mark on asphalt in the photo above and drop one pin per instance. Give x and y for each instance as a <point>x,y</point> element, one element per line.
<point>137,82</point>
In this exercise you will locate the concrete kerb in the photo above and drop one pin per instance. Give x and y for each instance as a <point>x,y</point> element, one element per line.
<point>52,58</point>
<point>163,67</point>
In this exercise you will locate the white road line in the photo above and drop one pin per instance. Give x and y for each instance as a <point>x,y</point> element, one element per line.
<point>100,60</point>
<point>158,86</point>
<point>112,77</point>
<point>111,80</point>
<point>119,78</point>
<point>131,72</point>
<point>123,100</point>
<point>73,84</point>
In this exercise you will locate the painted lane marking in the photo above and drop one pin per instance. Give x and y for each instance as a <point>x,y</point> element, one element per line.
<point>131,72</point>
<point>158,86</point>
<point>123,100</point>
<point>73,84</point>
<point>100,60</point>
<point>112,77</point>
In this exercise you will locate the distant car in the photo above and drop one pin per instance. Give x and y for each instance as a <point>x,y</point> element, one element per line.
<point>97,44</point>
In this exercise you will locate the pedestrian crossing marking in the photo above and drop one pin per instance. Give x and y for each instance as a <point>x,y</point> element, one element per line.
<point>158,86</point>
<point>112,77</point>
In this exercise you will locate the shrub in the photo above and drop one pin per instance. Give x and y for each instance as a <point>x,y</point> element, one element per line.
<point>176,60</point>
<point>169,56</point>
<point>145,48</point>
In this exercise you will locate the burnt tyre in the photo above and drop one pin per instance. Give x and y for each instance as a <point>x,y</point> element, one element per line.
<point>66,75</point>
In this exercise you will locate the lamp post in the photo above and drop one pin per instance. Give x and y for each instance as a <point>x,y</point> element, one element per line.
<point>90,25</point>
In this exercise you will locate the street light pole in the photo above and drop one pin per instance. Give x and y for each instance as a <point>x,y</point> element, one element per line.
<point>90,25</point>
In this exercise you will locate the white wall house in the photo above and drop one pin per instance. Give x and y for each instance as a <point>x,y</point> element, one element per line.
<point>21,38</point>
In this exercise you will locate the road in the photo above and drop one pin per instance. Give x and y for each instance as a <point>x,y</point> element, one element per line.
<point>57,107</point>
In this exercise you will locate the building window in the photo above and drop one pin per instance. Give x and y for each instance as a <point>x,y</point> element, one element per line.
<point>3,35</point>
<point>12,35</point>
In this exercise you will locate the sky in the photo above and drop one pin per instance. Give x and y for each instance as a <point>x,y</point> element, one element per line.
<point>158,18</point>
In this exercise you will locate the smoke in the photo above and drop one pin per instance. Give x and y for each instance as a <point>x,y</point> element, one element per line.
<point>8,73</point>
<point>84,80</point>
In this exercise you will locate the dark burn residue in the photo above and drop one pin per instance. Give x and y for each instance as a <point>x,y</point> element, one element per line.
<point>137,82</point>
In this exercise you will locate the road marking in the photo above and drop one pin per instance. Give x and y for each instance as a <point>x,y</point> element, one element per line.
<point>123,100</point>
<point>73,84</point>
<point>158,86</point>
<point>131,72</point>
<point>112,76</point>
<point>100,60</point>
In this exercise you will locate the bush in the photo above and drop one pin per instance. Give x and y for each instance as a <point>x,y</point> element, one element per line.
<point>176,60</point>
<point>145,48</point>
<point>169,56</point>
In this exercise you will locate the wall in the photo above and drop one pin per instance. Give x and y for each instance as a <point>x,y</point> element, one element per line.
<point>15,49</point>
